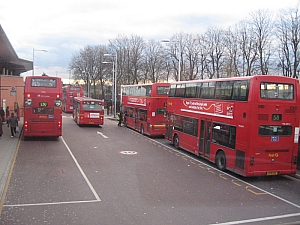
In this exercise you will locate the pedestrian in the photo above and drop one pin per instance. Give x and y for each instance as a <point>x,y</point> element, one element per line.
<point>1,130</point>
<point>2,114</point>
<point>120,119</point>
<point>7,114</point>
<point>13,123</point>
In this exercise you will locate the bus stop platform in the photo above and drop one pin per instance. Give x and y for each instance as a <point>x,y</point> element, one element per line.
<point>8,150</point>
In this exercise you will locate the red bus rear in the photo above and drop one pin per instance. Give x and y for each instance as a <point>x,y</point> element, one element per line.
<point>42,106</point>
<point>88,111</point>
<point>143,107</point>
<point>68,94</point>
<point>248,125</point>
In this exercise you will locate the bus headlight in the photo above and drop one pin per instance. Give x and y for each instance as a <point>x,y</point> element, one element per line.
<point>28,102</point>
<point>57,103</point>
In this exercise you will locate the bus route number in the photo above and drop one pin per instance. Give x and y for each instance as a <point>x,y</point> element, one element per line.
<point>43,104</point>
<point>276,117</point>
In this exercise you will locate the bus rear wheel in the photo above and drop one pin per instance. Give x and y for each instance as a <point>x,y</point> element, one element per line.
<point>221,160</point>
<point>176,141</point>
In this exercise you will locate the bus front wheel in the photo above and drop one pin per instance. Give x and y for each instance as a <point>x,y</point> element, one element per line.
<point>176,141</point>
<point>221,160</point>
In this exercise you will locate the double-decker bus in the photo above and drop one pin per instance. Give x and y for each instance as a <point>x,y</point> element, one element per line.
<point>42,106</point>
<point>248,125</point>
<point>88,111</point>
<point>143,107</point>
<point>68,94</point>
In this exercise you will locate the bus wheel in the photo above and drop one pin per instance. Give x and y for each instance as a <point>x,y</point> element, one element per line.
<point>142,130</point>
<point>176,141</point>
<point>221,160</point>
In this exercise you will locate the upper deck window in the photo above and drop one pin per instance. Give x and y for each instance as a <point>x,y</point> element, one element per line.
<point>276,91</point>
<point>43,82</point>
<point>162,90</point>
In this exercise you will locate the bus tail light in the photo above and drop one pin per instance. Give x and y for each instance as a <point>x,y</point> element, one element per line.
<point>251,160</point>
<point>25,124</point>
<point>295,159</point>
<point>59,124</point>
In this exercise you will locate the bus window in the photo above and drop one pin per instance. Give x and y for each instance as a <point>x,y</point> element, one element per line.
<point>191,90</point>
<point>276,91</point>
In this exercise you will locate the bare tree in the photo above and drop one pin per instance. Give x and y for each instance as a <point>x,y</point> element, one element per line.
<point>262,31</point>
<point>216,50</point>
<point>288,33</point>
<point>154,59</point>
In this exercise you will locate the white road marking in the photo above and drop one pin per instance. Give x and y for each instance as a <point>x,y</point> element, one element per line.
<point>98,132</point>
<point>52,203</point>
<point>258,219</point>
<point>81,171</point>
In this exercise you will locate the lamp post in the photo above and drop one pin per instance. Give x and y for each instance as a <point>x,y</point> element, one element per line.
<point>88,83</point>
<point>114,91</point>
<point>179,52</point>
<point>35,50</point>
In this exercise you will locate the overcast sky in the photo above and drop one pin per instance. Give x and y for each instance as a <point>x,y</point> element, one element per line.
<point>63,27</point>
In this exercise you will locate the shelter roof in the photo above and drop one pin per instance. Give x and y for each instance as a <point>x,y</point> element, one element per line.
<point>9,59</point>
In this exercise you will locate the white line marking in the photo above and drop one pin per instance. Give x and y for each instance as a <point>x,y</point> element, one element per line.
<point>98,132</point>
<point>81,171</point>
<point>52,203</point>
<point>258,219</point>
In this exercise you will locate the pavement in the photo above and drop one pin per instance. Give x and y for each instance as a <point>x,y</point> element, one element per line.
<point>8,151</point>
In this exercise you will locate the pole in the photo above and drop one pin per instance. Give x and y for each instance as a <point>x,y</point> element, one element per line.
<point>33,62</point>
<point>115,83</point>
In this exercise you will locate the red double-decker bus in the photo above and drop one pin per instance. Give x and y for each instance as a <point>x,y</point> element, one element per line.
<point>42,106</point>
<point>68,94</point>
<point>143,107</point>
<point>88,111</point>
<point>248,125</point>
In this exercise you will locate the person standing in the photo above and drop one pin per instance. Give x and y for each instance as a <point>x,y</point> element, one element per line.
<point>2,114</point>
<point>13,123</point>
<point>120,119</point>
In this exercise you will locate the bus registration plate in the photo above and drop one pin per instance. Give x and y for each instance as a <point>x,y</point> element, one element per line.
<point>94,115</point>
<point>272,173</point>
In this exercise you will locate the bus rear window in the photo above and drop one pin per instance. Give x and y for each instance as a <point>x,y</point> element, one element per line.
<point>91,106</point>
<point>43,82</point>
<point>276,91</point>
<point>265,130</point>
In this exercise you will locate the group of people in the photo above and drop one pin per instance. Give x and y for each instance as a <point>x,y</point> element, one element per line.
<point>10,119</point>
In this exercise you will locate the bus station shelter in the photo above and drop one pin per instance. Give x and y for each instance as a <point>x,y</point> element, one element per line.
<point>11,83</point>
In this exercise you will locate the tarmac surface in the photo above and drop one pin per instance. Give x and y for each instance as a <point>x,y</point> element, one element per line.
<point>8,151</point>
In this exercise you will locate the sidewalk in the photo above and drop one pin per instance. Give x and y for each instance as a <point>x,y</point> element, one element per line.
<point>8,147</point>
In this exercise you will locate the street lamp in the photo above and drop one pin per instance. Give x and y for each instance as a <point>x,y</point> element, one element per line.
<point>179,52</point>
<point>88,83</point>
<point>35,50</point>
<point>114,91</point>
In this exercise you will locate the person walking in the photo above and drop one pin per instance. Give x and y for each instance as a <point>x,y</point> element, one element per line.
<point>7,114</point>
<point>1,130</point>
<point>13,123</point>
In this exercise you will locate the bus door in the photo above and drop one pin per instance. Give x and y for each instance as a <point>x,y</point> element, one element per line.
<point>169,126</point>
<point>205,137</point>
<point>136,119</point>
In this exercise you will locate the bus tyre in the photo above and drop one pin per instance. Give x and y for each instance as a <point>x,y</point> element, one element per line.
<point>176,141</point>
<point>221,160</point>
<point>142,130</point>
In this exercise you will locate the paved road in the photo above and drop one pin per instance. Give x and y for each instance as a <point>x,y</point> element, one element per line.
<point>113,175</point>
